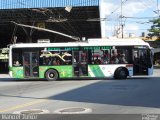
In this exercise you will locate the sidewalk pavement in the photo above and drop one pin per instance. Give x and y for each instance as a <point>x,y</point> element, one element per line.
<point>4,76</point>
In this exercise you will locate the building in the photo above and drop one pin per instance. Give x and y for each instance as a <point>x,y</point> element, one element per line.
<point>75,18</point>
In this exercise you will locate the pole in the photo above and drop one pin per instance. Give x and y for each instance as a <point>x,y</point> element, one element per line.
<point>47,30</point>
<point>121,19</point>
<point>122,32</point>
<point>157,8</point>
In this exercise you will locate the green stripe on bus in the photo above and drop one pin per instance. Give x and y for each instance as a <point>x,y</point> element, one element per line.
<point>64,71</point>
<point>96,70</point>
<point>17,72</point>
<point>89,75</point>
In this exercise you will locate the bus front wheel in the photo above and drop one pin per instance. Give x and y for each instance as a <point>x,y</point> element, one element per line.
<point>51,75</point>
<point>120,73</point>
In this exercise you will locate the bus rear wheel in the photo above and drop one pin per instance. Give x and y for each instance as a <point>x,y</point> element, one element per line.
<point>51,75</point>
<point>120,73</point>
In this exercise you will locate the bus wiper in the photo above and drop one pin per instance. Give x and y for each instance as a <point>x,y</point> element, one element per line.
<point>47,30</point>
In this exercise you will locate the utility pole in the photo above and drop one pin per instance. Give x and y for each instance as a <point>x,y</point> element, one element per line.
<point>157,8</point>
<point>122,19</point>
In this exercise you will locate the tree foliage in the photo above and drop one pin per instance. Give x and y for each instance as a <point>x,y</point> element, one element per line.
<point>155,28</point>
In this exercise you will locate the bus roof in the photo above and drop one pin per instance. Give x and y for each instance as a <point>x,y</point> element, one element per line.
<point>90,42</point>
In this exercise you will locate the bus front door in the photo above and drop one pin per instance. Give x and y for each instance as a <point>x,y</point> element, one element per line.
<point>140,65</point>
<point>80,65</point>
<point>30,62</point>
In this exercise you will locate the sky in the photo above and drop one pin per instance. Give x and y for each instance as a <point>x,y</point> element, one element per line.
<point>137,14</point>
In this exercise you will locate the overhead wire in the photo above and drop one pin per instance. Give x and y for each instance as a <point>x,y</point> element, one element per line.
<point>72,27</point>
<point>130,18</point>
<point>63,25</point>
<point>147,6</point>
<point>21,2</point>
<point>13,34</point>
<point>115,10</point>
<point>68,27</point>
<point>142,18</point>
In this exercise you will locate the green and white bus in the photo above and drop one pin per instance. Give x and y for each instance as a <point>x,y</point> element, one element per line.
<point>96,58</point>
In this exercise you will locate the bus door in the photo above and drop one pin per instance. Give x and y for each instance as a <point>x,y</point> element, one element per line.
<point>31,64</point>
<point>140,62</point>
<point>80,64</point>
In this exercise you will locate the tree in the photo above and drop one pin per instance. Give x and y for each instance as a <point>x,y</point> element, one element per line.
<point>155,28</point>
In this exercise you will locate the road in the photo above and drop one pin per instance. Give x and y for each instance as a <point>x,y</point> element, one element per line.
<point>132,96</point>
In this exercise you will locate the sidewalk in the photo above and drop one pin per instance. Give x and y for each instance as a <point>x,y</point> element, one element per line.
<point>4,76</point>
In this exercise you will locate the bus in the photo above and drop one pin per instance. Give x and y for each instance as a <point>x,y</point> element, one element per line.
<point>95,58</point>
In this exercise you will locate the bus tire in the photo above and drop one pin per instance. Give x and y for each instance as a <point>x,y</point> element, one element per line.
<point>51,75</point>
<point>121,73</point>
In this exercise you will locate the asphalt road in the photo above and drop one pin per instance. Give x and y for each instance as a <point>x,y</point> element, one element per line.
<point>136,95</point>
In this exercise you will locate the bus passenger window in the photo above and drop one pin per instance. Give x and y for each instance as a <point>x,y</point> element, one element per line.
<point>17,57</point>
<point>54,62</point>
<point>57,58</point>
<point>120,56</point>
<point>66,58</point>
<point>16,63</point>
<point>97,60</point>
<point>99,57</point>
<point>84,57</point>
<point>47,61</point>
<point>122,59</point>
<point>114,58</point>
<point>106,57</point>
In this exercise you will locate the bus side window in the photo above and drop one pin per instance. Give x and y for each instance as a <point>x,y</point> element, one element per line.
<point>122,59</point>
<point>97,60</point>
<point>106,56</point>
<point>17,57</point>
<point>114,57</point>
<point>100,57</point>
<point>121,56</point>
<point>84,56</point>
<point>67,56</point>
<point>97,56</point>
